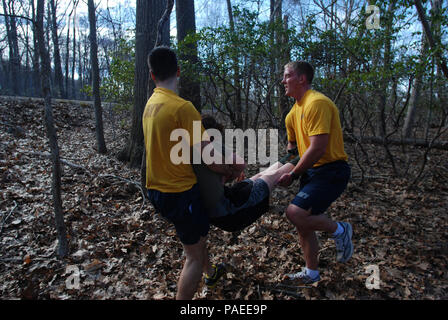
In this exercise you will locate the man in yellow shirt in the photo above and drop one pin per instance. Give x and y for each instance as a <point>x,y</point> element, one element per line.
<point>313,126</point>
<point>172,186</point>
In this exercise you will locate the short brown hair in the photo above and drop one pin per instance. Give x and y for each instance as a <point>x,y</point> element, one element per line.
<point>302,67</point>
<point>162,62</point>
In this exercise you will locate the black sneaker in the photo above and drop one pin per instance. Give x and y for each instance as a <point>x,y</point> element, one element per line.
<point>220,270</point>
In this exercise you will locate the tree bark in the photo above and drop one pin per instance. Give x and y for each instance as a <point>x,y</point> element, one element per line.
<point>435,46</point>
<point>14,56</point>
<point>67,58</point>
<point>236,74</point>
<point>161,30</point>
<point>385,77</point>
<point>149,13</point>
<point>36,69</point>
<point>74,58</point>
<point>440,145</point>
<point>189,87</point>
<point>415,95</point>
<point>51,133</point>
<point>58,77</point>
<point>101,144</point>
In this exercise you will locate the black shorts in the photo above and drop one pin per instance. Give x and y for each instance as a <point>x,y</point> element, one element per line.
<point>320,186</point>
<point>244,214</point>
<point>185,211</point>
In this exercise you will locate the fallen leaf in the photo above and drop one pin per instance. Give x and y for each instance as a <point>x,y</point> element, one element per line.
<point>27,259</point>
<point>95,265</point>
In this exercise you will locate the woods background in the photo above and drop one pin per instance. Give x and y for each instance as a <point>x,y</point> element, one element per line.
<point>389,82</point>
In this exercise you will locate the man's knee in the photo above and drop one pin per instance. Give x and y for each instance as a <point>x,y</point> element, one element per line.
<point>196,252</point>
<point>298,217</point>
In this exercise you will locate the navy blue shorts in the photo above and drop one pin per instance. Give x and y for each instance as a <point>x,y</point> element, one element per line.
<point>185,211</point>
<point>320,186</point>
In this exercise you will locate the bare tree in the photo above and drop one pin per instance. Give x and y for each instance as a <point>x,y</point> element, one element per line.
<point>58,77</point>
<point>161,25</point>
<point>416,89</point>
<point>186,23</point>
<point>236,75</point>
<point>51,132</point>
<point>435,45</point>
<point>14,55</point>
<point>149,13</point>
<point>101,144</point>
<point>36,69</point>
<point>74,56</point>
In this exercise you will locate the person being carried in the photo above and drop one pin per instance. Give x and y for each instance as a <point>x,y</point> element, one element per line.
<point>314,127</point>
<point>172,188</point>
<point>240,205</point>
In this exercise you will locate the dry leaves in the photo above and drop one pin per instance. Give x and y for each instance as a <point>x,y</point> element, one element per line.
<point>124,250</point>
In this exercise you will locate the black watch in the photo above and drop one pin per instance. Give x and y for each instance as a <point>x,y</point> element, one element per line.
<point>294,175</point>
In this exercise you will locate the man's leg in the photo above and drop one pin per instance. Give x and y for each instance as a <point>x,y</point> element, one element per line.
<point>272,168</point>
<point>272,176</point>
<point>196,261</point>
<point>306,225</point>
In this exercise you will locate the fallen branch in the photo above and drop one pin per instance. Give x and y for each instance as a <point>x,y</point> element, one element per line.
<point>287,292</point>
<point>76,166</point>
<point>125,180</point>
<point>66,162</point>
<point>6,218</point>
<point>441,145</point>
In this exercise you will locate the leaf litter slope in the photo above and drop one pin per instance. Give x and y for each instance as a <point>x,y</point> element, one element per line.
<point>123,250</point>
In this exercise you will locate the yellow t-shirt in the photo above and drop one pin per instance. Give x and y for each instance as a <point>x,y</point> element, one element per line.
<point>316,114</point>
<point>165,112</point>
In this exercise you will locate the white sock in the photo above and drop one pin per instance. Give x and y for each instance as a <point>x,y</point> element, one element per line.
<point>339,230</point>
<point>312,273</point>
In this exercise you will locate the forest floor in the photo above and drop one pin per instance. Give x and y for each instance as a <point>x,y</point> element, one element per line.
<point>123,250</point>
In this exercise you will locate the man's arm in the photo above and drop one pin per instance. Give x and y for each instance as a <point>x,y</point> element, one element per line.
<point>317,148</point>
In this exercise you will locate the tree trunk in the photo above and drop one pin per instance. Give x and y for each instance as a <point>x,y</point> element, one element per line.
<point>101,144</point>
<point>385,79</point>
<point>160,35</point>
<point>74,58</point>
<point>433,43</point>
<point>189,87</point>
<point>441,83</point>
<point>14,56</point>
<point>285,57</point>
<point>415,95</point>
<point>148,15</point>
<point>236,74</point>
<point>58,77</point>
<point>51,132</point>
<point>36,69</point>
<point>67,58</point>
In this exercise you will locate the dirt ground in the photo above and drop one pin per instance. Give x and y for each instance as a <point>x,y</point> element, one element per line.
<point>123,250</point>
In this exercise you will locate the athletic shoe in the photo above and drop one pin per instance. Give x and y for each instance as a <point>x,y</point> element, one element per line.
<point>220,270</point>
<point>344,245</point>
<point>302,278</point>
